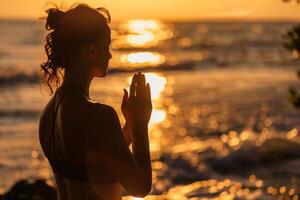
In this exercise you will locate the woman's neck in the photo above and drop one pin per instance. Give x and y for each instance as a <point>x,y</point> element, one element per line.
<point>77,79</point>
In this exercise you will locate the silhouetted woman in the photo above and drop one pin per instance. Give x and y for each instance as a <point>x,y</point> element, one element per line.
<point>83,140</point>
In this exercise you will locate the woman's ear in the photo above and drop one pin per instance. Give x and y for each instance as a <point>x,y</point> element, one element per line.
<point>89,52</point>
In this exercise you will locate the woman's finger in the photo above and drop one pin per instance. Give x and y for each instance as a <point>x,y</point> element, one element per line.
<point>148,92</point>
<point>125,99</point>
<point>139,86</point>
<point>144,92</point>
<point>133,86</point>
<point>143,80</point>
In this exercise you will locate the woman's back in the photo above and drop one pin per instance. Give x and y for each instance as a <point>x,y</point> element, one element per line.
<point>66,141</point>
<point>83,141</point>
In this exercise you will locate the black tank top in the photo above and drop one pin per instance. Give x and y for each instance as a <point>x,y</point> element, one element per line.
<point>76,172</point>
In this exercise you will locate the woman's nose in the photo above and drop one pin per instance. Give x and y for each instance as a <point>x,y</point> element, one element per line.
<point>110,55</point>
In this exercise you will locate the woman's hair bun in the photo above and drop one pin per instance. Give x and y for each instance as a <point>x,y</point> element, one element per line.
<point>54,18</point>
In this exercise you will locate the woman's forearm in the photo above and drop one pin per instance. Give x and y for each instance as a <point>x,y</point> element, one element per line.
<point>141,151</point>
<point>127,132</point>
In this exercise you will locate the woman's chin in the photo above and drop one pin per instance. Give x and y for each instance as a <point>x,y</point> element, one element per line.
<point>102,71</point>
<point>101,74</point>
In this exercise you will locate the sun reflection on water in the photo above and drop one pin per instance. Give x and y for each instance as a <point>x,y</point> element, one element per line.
<point>157,116</point>
<point>142,58</point>
<point>141,39</point>
<point>145,33</point>
<point>142,25</point>
<point>157,83</point>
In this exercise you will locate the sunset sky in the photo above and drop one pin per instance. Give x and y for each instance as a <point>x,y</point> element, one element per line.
<point>165,9</point>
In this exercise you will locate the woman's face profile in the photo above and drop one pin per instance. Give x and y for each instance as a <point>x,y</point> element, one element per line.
<point>103,54</point>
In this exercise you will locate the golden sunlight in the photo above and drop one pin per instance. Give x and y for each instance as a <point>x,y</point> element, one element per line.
<point>189,9</point>
<point>157,116</point>
<point>145,33</point>
<point>142,58</point>
<point>157,83</point>
<point>141,39</point>
<point>137,26</point>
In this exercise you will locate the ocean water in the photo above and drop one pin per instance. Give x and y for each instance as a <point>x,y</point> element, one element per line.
<point>222,126</point>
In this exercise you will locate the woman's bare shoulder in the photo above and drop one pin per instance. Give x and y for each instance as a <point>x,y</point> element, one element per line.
<point>105,117</point>
<point>45,114</point>
<point>104,125</point>
<point>103,109</point>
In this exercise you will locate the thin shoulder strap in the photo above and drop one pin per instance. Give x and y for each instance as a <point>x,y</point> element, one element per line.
<point>55,109</point>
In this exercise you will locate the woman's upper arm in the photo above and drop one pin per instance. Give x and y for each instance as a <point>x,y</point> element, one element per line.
<point>117,156</point>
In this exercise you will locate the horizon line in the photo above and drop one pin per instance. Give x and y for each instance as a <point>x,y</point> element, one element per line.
<point>205,19</point>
